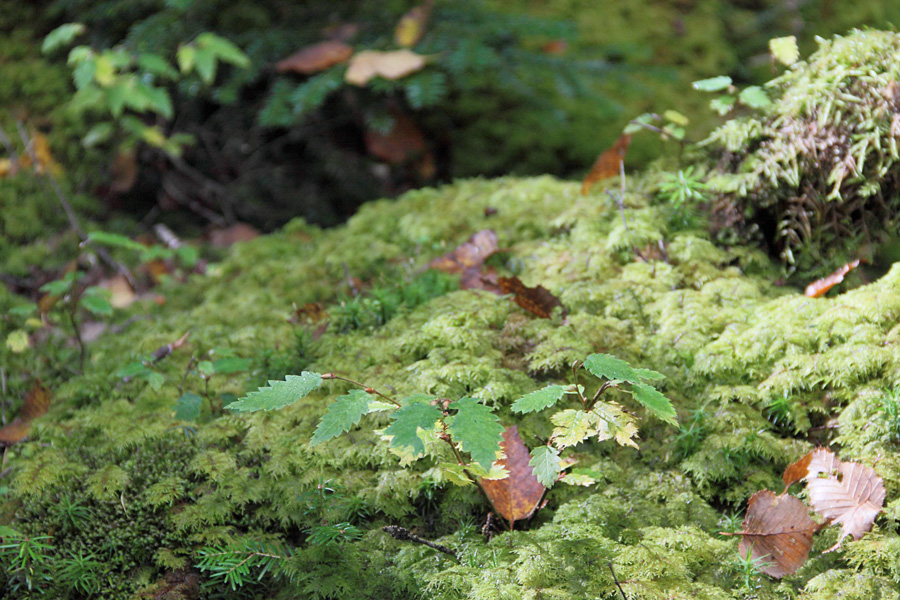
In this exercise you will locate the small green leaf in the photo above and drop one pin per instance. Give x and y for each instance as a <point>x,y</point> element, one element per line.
<point>379,406</point>
<point>186,56</point>
<point>407,422</point>
<point>612,368</point>
<point>134,369</point>
<point>61,36</point>
<point>157,65</point>
<point>17,341</point>
<point>156,381</point>
<point>545,464</point>
<point>227,366</point>
<point>477,430</point>
<point>115,240</point>
<point>722,105</point>
<point>785,49</point>
<point>205,61</point>
<point>23,310</point>
<point>342,415</point>
<point>278,394</point>
<point>655,402</point>
<point>573,426</point>
<point>187,408</point>
<point>60,286</point>
<point>676,117</point>
<point>207,368</point>
<point>584,477</point>
<point>539,400</point>
<point>97,304</point>
<point>83,73</point>
<point>713,84</point>
<point>97,134</point>
<point>224,49</point>
<point>755,97</point>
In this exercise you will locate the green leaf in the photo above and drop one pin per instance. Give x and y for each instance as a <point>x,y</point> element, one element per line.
<point>156,381</point>
<point>341,416</point>
<point>115,240</point>
<point>224,49</point>
<point>614,369</point>
<point>187,408</point>
<point>379,406</point>
<point>159,101</point>
<point>637,124</point>
<point>477,429</point>
<point>60,286</point>
<point>23,310</point>
<point>96,304</point>
<point>61,36</point>
<point>17,341</point>
<point>207,368</point>
<point>722,105</point>
<point>186,55</point>
<point>227,366</point>
<point>205,61</point>
<point>655,402</point>
<point>713,84</point>
<point>545,464</point>
<point>97,134</point>
<point>157,65</point>
<point>755,97</point>
<point>539,400</point>
<point>407,422</point>
<point>83,73</point>
<point>573,426</point>
<point>132,370</point>
<point>785,49</point>
<point>584,477</point>
<point>278,394</point>
<point>676,117</point>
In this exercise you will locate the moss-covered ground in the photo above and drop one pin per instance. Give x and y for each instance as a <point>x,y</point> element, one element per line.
<point>759,374</point>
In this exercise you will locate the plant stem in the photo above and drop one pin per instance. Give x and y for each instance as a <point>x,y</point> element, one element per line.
<point>368,389</point>
<point>606,385</point>
<point>80,341</point>
<point>575,366</point>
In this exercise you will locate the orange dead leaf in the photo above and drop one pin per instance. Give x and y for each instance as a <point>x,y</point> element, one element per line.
<point>405,140</point>
<point>821,286</point>
<point>778,530</point>
<point>608,164</point>
<point>37,401</point>
<point>391,65</point>
<point>411,26</point>
<point>848,493</point>
<point>517,496</point>
<point>315,58</point>
<point>796,471</point>
<point>536,300</point>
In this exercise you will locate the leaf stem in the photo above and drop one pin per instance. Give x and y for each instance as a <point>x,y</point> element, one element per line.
<point>368,389</point>
<point>575,367</point>
<point>606,385</point>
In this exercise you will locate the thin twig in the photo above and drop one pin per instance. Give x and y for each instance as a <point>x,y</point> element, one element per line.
<point>621,591</point>
<point>606,385</point>
<point>368,389</point>
<point>404,534</point>
<point>78,337</point>
<point>3,394</point>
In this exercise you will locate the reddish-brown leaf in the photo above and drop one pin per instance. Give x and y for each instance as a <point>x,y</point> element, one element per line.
<point>37,401</point>
<point>848,493</point>
<point>796,471</point>
<point>404,141</point>
<point>608,164</point>
<point>821,286</point>
<point>517,496</point>
<point>468,259</point>
<point>778,530</point>
<point>536,300</point>
<point>311,312</point>
<point>315,58</point>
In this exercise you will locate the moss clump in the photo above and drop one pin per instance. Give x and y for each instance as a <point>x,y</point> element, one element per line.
<point>818,173</point>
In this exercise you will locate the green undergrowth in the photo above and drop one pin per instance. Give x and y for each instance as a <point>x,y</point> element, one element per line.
<point>758,373</point>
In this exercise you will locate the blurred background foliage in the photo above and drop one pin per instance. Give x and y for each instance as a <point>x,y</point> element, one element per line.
<point>507,87</point>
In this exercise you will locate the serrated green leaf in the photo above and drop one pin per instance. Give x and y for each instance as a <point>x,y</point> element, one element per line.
<point>407,422</point>
<point>379,406</point>
<point>83,73</point>
<point>713,84</point>
<point>540,399</point>
<point>96,304</point>
<point>187,408</point>
<point>278,394</point>
<point>545,464</point>
<point>227,366</point>
<point>614,423</point>
<point>343,414</point>
<point>609,367</point>
<point>722,105</point>
<point>477,430</point>
<point>655,402</point>
<point>17,341</point>
<point>224,49</point>
<point>573,426</point>
<point>207,368</point>
<point>62,35</point>
<point>785,49</point>
<point>156,381</point>
<point>755,97</point>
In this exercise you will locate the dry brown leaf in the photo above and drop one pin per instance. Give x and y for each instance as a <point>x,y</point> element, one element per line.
<point>311,312</point>
<point>848,493</point>
<point>315,58</point>
<point>608,164</point>
<point>411,26</point>
<point>391,65</point>
<point>226,236</point>
<point>778,530</point>
<point>404,141</point>
<point>517,496</point>
<point>536,300</point>
<point>821,286</point>
<point>796,471</point>
<point>123,171</point>
<point>467,260</point>
<point>121,293</point>
<point>37,401</point>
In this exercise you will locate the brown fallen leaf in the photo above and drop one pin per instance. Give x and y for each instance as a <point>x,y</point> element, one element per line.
<point>608,164</point>
<point>468,259</point>
<point>37,401</point>
<point>796,471</point>
<point>315,58</point>
<point>536,300</point>
<point>404,141</point>
<point>311,312</point>
<point>848,493</point>
<point>391,65</point>
<point>123,171</point>
<point>411,26</point>
<point>517,496</point>
<point>121,292</point>
<point>778,530</point>
<point>821,286</point>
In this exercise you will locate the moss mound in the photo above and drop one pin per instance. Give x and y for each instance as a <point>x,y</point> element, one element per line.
<point>129,500</point>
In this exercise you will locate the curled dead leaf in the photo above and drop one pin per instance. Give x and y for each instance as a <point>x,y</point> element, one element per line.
<point>315,58</point>
<point>821,286</point>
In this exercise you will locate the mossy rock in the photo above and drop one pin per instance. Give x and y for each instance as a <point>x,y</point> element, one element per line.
<point>758,373</point>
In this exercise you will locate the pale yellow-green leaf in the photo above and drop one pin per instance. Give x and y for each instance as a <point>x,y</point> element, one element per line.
<point>785,49</point>
<point>676,117</point>
<point>17,341</point>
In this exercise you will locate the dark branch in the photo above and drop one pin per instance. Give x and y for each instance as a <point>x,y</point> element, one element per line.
<point>404,534</point>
